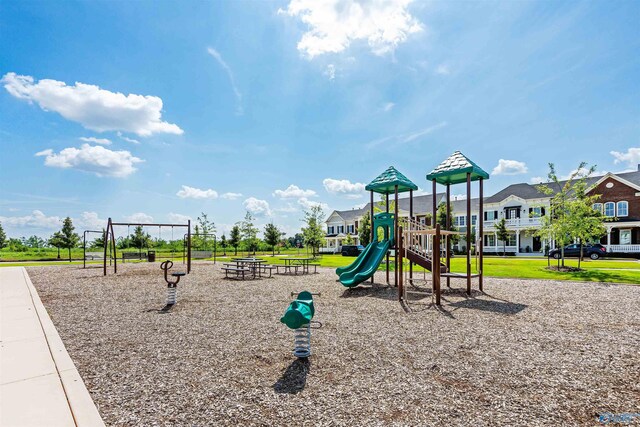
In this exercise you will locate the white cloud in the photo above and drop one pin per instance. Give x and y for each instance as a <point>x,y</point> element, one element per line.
<point>293,192</point>
<point>334,24</point>
<point>231,196</point>
<point>344,187</point>
<point>510,167</point>
<point>537,180</point>
<point>91,221</point>
<point>95,159</point>
<point>139,218</point>
<point>257,207</point>
<point>232,79</point>
<point>308,204</point>
<point>177,218</point>
<point>196,193</point>
<point>37,219</point>
<point>631,157</point>
<point>287,209</point>
<point>443,70</point>
<point>330,71</point>
<point>101,141</point>
<point>388,106</point>
<point>94,108</point>
<point>131,140</point>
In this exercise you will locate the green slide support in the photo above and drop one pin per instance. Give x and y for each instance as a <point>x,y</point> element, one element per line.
<point>300,312</point>
<point>358,261</point>
<point>368,266</point>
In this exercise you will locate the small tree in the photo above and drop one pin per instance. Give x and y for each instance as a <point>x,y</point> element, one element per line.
<point>223,244</point>
<point>314,232</point>
<point>503,234</point>
<point>139,239</point>
<point>272,237</point>
<point>70,239</point>
<point>348,240</point>
<point>586,223</point>
<point>441,218</point>
<point>364,231</point>
<point>3,237</point>
<point>234,238</point>
<point>57,241</point>
<point>207,228</point>
<point>249,233</point>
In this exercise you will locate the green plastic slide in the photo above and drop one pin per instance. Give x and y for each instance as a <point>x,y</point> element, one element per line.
<point>367,266</point>
<point>300,312</point>
<point>358,261</point>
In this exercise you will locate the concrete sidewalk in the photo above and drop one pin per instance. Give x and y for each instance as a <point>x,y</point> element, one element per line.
<point>39,383</point>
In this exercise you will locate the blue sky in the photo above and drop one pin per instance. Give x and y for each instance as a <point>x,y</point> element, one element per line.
<point>220,107</point>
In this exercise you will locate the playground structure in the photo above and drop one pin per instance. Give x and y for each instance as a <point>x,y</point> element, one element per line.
<point>84,244</point>
<point>298,317</point>
<point>172,285</point>
<point>110,246</point>
<point>420,243</point>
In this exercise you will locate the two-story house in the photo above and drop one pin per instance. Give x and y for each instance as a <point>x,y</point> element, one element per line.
<point>522,206</point>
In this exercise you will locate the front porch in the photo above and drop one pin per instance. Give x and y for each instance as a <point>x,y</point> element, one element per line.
<point>623,237</point>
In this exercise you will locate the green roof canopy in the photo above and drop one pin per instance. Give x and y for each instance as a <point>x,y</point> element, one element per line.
<point>386,182</point>
<point>454,170</point>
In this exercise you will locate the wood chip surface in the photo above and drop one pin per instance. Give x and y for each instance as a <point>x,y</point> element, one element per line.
<point>527,352</point>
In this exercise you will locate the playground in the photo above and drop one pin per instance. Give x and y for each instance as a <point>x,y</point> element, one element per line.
<point>526,352</point>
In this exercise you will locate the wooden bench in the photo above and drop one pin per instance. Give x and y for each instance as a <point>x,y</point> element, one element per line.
<point>239,272</point>
<point>133,255</point>
<point>93,255</point>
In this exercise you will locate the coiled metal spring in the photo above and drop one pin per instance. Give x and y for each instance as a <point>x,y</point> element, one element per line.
<point>302,341</point>
<point>172,295</point>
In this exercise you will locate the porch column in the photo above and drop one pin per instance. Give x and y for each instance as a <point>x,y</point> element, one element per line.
<point>608,237</point>
<point>517,241</point>
<point>495,242</point>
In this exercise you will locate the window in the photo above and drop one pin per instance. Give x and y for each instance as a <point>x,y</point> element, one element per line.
<point>491,215</point>
<point>597,207</point>
<point>331,230</point>
<point>474,219</point>
<point>609,209</point>
<point>489,240</point>
<point>622,208</point>
<point>460,221</point>
<point>340,229</point>
<point>625,237</point>
<point>351,229</point>
<point>535,212</point>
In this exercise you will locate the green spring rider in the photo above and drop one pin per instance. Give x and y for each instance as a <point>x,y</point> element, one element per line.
<point>298,317</point>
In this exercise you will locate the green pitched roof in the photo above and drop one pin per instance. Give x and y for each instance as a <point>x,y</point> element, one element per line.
<point>454,170</point>
<point>386,182</point>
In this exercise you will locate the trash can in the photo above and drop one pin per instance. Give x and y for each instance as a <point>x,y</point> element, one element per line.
<point>151,256</point>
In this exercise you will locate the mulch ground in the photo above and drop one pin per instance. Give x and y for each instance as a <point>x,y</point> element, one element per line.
<point>525,353</point>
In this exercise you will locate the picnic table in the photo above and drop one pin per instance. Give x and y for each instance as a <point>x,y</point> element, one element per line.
<point>253,264</point>
<point>296,263</point>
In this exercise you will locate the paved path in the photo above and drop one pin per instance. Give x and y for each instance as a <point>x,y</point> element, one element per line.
<point>39,384</point>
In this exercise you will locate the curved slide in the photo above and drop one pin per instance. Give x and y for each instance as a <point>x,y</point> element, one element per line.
<point>365,265</point>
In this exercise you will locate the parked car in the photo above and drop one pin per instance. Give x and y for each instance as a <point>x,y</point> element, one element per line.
<point>593,251</point>
<point>352,250</point>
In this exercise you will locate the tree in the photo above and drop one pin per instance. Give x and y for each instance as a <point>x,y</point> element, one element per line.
<point>249,233</point>
<point>98,242</point>
<point>503,234</point>
<point>559,224</point>
<point>348,240</point>
<point>272,237</point>
<point>441,218</point>
<point>223,244</point>
<point>207,228</point>
<point>3,237</point>
<point>35,242</point>
<point>139,239</point>
<point>70,239</point>
<point>585,222</point>
<point>57,241</point>
<point>234,238</point>
<point>314,231</point>
<point>364,231</point>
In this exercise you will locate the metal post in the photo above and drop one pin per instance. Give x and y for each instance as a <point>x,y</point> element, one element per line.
<point>84,249</point>
<point>410,219</point>
<point>396,238</point>
<point>106,240</point>
<point>188,246</point>
<point>371,224</point>
<point>399,266</point>
<point>435,271</point>
<point>115,252</point>
<point>448,236</point>
<point>481,230</point>
<point>468,233</point>
<point>387,236</point>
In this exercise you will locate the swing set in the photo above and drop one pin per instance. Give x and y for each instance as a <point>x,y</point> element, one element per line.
<point>110,245</point>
